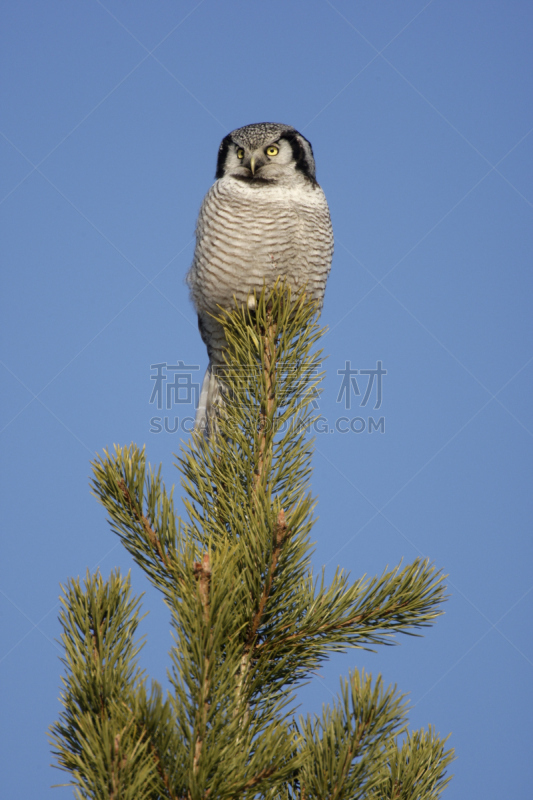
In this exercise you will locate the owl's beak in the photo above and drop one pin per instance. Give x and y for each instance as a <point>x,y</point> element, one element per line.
<point>257,160</point>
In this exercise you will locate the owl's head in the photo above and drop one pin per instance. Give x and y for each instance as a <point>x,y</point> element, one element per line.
<point>266,152</point>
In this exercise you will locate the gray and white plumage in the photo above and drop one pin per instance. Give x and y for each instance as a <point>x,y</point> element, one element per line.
<point>265,217</point>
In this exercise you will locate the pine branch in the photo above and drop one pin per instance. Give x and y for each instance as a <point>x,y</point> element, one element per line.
<point>353,750</point>
<point>202,573</point>
<point>124,486</point>
<point>367,613</point>
<point>98,738</point>
<point>342,750</point>
<point>139,517</point>
<point>280,534</point>
<point>416,768</point>
<point>269,361</point>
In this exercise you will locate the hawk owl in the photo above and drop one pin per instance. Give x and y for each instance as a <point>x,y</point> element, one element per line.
<point>265,217</point>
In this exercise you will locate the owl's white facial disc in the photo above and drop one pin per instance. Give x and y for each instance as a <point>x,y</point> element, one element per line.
<point>271,161</point>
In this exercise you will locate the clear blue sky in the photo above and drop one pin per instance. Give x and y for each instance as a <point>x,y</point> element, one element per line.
<point>421,120</point>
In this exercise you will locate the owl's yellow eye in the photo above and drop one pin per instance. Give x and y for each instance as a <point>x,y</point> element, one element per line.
<point>272,150</point>
<point>240,153</point>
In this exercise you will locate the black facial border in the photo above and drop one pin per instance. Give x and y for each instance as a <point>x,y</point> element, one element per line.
<point>222,153</point>
<point>299,154</point>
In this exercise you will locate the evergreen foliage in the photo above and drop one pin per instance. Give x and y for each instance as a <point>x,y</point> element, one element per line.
<point>251,621</point>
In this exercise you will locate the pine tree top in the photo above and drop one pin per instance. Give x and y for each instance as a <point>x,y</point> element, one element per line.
<point>250,619</point>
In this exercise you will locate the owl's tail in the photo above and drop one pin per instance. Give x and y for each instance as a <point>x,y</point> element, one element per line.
<point>210,402</point>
